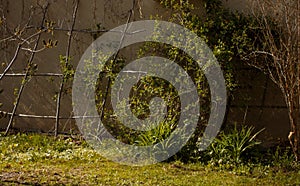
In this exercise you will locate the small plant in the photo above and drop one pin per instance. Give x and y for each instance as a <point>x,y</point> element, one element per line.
<point>282,158</point>
<point>154,136</point>
<point>230,147</point>
<point>67,68</point>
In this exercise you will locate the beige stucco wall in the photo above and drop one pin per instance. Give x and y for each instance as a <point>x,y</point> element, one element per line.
<point>37,98</point>
<point>264,100</point>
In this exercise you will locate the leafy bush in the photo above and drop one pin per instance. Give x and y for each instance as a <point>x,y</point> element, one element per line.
<point>226,33</point>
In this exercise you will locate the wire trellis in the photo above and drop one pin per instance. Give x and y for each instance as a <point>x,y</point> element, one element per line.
<point>44,28</point>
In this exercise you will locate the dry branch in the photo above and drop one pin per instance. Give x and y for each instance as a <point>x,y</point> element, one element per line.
<point>67,61</point>
<point>279,24</point>
<point>27,71</point>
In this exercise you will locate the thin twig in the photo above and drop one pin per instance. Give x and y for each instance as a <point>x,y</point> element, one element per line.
<point>26,73</point>
<point>89,30</point>
<point>34,51</point>
<point>17,53</point>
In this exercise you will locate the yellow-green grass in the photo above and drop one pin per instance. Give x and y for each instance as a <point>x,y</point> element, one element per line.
<point>42,160</point>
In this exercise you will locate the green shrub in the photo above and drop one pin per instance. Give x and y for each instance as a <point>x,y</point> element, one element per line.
<point>226,33</point>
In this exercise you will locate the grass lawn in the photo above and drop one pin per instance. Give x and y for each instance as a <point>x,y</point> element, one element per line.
<point>41,160</point>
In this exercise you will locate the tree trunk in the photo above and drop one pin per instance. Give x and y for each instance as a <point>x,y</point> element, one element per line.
<point>294,135</point>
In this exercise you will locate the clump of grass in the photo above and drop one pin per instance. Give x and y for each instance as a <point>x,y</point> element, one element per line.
<point>230,147</point>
